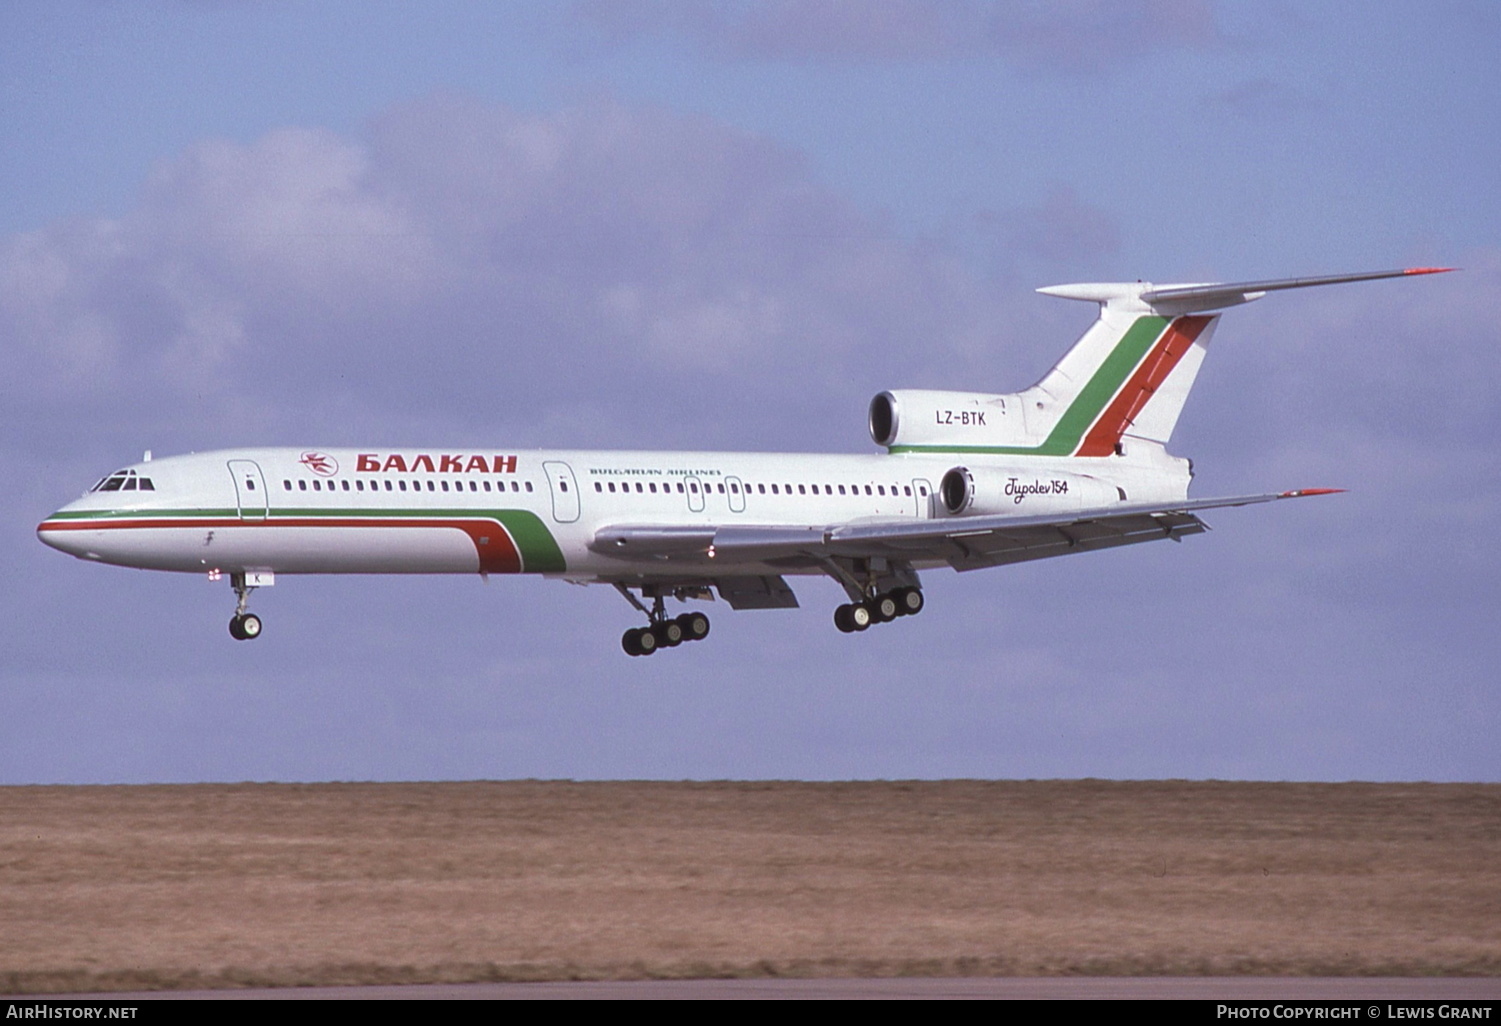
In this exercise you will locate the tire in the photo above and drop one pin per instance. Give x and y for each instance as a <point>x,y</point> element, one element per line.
<point>695,626</point>
<point>234,629</point>
<point>250,626</point>
<point>842,620</point>
<point>631,641</point>
<point>860,616</point>
<point>669,634</point>
<point>909,601</point>
<point>646,640</point>
<point>884,608</point>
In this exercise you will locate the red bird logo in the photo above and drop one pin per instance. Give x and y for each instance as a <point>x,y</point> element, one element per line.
<point>320,463</point>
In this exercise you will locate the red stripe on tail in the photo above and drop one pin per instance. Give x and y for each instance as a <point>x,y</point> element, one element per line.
<point>1138,391</point>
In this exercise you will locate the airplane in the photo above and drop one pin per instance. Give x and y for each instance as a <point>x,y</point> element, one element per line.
<point>969,480</point>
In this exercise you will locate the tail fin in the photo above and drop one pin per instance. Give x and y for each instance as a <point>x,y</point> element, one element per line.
<point>1131,372</point>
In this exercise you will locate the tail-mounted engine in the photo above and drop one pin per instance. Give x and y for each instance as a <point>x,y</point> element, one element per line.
<point>948,419</point>
<point>971,491</point>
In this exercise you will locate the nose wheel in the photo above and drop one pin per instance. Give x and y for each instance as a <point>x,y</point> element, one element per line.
<point>245,628</point>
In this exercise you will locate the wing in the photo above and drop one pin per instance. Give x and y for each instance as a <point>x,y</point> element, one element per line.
<point>964,543</point>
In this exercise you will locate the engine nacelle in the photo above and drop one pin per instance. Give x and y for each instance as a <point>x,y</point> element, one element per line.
<point>947,419</point>
<point>973,491</point>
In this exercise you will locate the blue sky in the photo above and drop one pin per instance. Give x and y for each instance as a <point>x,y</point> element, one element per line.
<point>678,225</point>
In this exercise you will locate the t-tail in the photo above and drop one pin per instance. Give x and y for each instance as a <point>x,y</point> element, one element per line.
<point>1126,378</point>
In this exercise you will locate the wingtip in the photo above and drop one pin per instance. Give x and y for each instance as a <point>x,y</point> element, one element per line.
<point>1429,270</point>
<point>1299,493</point>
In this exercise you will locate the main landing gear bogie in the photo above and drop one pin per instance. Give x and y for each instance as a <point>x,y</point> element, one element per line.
<point>853,617</point>
<point>662,631</point>
<point>665,633</point>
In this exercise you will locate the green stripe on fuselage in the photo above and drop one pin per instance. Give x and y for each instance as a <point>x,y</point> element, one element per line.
<point>1087,405</point>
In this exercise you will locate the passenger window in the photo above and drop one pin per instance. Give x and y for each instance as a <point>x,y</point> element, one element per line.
<point>774,490</point>
<point>598,487</point>
<point>286,485</point>
<point>402,485</point>
<point>302,485</point>
<point>317,485</point>
<point>841,489</point>
<point>761,488</point>
<point>652,488</point>
<point>867,489</point>
<point>721,488</point>
<point>693,487</point>
<point>528,486</point>
<point>907,490</point>
<point>359,485</point>
<point>344,485</point>
<point>445,486</point>
<point>432,489</point>
<point>802,490</point>
<point>881,489</point>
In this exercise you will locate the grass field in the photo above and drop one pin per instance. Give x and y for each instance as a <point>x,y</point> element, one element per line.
<point>265,884</point>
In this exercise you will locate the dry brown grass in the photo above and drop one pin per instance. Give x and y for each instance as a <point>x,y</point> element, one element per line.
<point>213,885</point>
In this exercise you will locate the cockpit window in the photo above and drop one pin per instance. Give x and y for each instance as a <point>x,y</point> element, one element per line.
<point>126,481</point>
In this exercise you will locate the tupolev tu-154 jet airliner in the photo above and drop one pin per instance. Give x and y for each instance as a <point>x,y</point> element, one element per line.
<point>969,480</point>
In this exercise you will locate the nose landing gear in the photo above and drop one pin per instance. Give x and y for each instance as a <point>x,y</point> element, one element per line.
<point>243,626</point>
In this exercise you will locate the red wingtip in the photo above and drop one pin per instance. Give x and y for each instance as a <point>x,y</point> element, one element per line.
<point>1299,493</point>
<point>1429,270</point>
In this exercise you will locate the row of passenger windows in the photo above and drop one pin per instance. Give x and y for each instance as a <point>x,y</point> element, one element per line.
<point>401,486</point>
<point>757,489</point>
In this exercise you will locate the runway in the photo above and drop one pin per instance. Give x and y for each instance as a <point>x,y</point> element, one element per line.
<point>1193,988</point>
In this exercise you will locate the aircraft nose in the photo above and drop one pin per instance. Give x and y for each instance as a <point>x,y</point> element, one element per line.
<point>55,532</point>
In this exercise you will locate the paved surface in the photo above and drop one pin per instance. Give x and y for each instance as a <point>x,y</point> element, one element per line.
<point>1198,988</point>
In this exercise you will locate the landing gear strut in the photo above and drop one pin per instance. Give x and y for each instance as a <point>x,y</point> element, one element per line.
<point>243,626</point>
<point>662,631</point>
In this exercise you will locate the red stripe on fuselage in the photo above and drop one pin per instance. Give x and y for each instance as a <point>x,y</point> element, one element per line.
<point>1138,391</point>
<point>497,552</point>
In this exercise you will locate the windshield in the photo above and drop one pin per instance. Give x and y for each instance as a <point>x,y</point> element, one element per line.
<point>124,481</point>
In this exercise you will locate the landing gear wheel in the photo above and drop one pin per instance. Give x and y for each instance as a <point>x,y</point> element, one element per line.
<point>245,628</point>
<point>842,620</point>
<point>669,633</point>
<point>860,616</point>
<point>909,601</point>
<point>631,642</point>
<point>884,608</point>
<point>646,640</point>
<point>695,626</point>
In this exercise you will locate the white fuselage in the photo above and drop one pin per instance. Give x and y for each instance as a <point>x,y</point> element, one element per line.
<point>297,511</point>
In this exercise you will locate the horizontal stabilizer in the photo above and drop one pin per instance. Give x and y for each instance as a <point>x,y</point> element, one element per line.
<point>1214,296</point>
